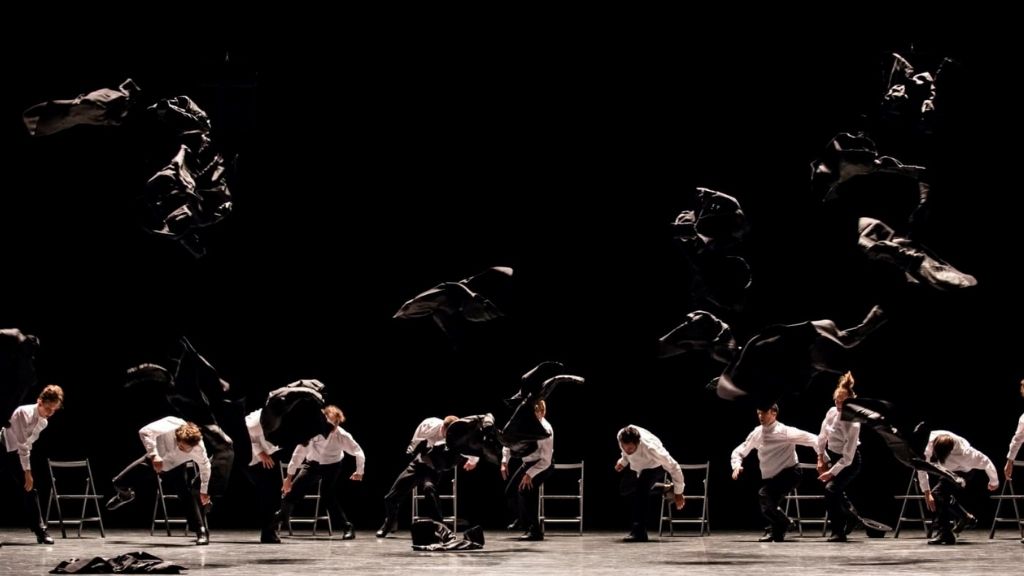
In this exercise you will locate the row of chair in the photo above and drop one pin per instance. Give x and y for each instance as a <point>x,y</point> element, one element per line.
<point>912,501</point>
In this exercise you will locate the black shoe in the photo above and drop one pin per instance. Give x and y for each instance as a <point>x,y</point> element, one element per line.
<point>202,537</point>
<point>532,534</point>
<point>43,538</point>
<point>837,538</point>
<point>120,499</point>
<point>386,528</point>
<point>349,533</point>
<point>269,536</point>
<point>636,537</point>
<point>964,523</point>
<point>943,538</point>
<point>664,489</point>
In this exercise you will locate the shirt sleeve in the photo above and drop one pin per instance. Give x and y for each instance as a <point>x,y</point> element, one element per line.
<point>349,445</point>
<point>978,460</point>
<point>802,438</point>
<point>823,435</point>
<point>660,455</point>
<point>198,455</point>
<point>849,450</point>
<point>546,448</point>
<point>741,451</point>
<point>20,423</point>
<point>297,457</point>
<point>506,455</point>
<point>1017,440</point>
<point>922,476</point>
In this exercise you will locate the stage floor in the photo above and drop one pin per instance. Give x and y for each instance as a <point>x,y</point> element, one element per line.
<point>238,552</point>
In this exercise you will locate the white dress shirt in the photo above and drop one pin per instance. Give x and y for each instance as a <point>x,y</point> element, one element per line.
<point>161,445</point>
<point>1017,440</point>
<point>26,424</point>
<point>776,447</point>
<point>541,457</point>
<point>839,436</point>
<point>432,430</point>
<point>962,459</point>
<point>328,450</point>
<point>256,438</point>
<point>651,453</point>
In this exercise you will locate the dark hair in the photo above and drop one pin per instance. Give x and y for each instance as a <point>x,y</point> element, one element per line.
<point>942,447</point>
<point>629,435</point>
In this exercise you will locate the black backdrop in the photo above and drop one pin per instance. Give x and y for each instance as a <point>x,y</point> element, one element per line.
<point>373,164</point>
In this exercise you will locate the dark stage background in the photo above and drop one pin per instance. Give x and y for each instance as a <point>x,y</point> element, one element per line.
<point>371,166</point>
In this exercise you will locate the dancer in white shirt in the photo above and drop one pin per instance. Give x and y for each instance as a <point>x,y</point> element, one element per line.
<point>776,452</point>
<point>956,455</point>
<point>839,460</point>
<point>320,459</point>
<point>265,472</point>
<point>169,443</point>
<point>647,460</point>
<point>26,423</point>
<point>533,469</point>
<point>421,472</point>
<point>1015,444</point>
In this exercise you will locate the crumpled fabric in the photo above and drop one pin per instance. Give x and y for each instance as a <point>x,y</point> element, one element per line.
<point>432,536</point>
<point>130,563</point>
<point>293,414</point>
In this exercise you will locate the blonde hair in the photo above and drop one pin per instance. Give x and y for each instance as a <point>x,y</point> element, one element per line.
<point>52,394</point>
<point>188,433</point>
<point>332,410</point>
<point>845,385</point>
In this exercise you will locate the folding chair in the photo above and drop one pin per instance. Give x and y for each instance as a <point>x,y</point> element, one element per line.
<point>913,495</point>
<point>318,514</point>
<point>87,495</point>
<point>1008,495</point>
<point>668,506</point>
<point>452,497</point>
<point>577,496</point>
<point>796,497</point>
<point>161,500</point>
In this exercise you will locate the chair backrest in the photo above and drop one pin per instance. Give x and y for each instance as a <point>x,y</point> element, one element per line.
<point>696,511</point>
<point>543,495</point>
<point>452,496</point>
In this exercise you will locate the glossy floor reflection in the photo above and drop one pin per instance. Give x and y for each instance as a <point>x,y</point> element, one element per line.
<point>239,552</point>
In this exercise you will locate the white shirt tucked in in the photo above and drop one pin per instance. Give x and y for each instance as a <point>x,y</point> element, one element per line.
<point>329,450</point>
<point>651,453</point>
<point>961,459</point>
<point>162,446</point>
<point>776,447</point>
<point>541,457</point>
<point>26,424</point>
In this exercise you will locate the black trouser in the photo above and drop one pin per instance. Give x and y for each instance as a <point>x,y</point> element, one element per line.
<point>525,501</point>
<point>421,475</point>
<point>840,511</point>
<point>638,488</point>
<point>32,513</point>
<point>947,508</point>
<point>176,480</point>
<point>305,481</point>
<point>772,491</point>
<point>268,491</point>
